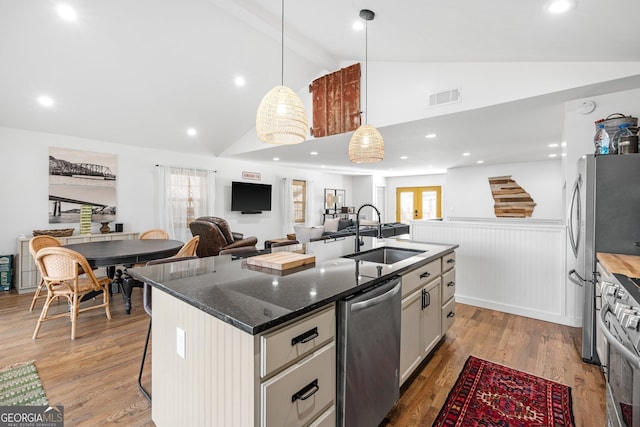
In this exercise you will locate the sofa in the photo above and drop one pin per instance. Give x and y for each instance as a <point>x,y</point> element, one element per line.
<point>335,228</point>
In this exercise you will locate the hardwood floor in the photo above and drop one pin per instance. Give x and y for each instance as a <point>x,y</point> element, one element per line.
<point>540,348</point>
<point>95,376</point>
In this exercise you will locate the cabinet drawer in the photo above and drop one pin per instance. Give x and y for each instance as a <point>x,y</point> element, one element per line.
<point>298,394</point>
<point>448,261</point>
<point>420,276</point>
<point>328,419</point>
<point>295,340</point>
<point>448,314</point>
<point>29,280</point>
<point>448,285</point>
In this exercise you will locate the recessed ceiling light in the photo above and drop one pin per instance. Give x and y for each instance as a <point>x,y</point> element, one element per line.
<point>563,154</point>
<point>192,132</point>
<point>66,12</point>
<point>275,159</point>
<point>480,162</point>
<point>314,153</point>
<point>323,166</point>
<point>404,157</point>
<point>466,154</point>
<point>430,135</point>
<point>553,155</point>
<point>560,6</point>
<point>552,145</point>
<point>239,81</point>
<point>358,26</point>
<point>45,101</point>
<point>564,144</point>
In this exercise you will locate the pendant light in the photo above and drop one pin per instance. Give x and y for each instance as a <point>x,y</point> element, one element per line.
<point>366,144</point>
<point>281,117</point>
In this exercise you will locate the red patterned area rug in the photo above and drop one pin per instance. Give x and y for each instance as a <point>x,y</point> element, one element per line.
<point>488,394</point>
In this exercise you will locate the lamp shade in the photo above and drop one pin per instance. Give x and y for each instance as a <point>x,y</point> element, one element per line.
<point>366,145</point>
<point>281,117</point>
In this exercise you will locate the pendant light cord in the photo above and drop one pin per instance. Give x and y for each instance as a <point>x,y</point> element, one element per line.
<point>366,72</point>
<point>282,47</point>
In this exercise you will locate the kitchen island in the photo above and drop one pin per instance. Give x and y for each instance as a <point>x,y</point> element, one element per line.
<point>224,333</point>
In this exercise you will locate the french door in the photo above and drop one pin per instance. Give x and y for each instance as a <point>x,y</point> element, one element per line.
<point>418,203</point>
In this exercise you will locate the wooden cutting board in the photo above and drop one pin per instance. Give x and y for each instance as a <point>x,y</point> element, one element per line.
<point>281,260</point>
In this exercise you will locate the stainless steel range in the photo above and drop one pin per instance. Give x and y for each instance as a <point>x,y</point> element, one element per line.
<point>619,322</point>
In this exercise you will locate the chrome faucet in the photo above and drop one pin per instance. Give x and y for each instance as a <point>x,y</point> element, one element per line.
<point>379,236</point>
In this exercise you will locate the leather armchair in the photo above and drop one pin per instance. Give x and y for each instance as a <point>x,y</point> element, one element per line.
<point>216,235</point>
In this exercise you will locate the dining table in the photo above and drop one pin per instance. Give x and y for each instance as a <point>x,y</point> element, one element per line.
<point>126,253</point>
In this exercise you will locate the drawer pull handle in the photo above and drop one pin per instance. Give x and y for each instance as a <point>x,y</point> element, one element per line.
<point>451,261</point>
<point>308,391</point>
<point>306,337</point>
<point>451,314</point>
<point>426,299</point>
<point>451,284</point>
<point>425,274</point>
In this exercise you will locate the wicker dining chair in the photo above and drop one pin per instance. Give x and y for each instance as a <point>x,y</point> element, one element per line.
<point>35,244</point>
<point>156,233</point>
<point>189,248</point>
<point>60,272</point>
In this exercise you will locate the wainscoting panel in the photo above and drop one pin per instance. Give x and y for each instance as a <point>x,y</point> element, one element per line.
<point>513,267</point>
<point>214,384</point>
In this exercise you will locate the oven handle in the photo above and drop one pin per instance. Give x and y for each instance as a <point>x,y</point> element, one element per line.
<point>633,359</point>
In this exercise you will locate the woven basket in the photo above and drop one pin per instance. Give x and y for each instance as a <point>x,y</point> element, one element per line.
<point>59,232</point>
<point>613,121</point>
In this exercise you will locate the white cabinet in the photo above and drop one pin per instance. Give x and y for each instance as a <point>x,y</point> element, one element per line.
<point>27,276</point>
<point>448,291</point>
<point>298,371</point>
<point>428,309</point>
<point>285,376</point>
<point>420,330</point>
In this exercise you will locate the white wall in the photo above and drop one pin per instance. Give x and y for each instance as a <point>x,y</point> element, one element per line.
<point>469,193</point>
<point>580,128</point>
<point>399,92</point>
<point>24,178</point>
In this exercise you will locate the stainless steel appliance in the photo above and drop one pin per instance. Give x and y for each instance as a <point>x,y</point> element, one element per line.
<point>604,217</point>
<point>619,320</point>
<point>369,355</point>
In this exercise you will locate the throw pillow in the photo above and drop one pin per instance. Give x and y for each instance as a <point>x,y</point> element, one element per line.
<point>331,224</point>
<point>344,223</point>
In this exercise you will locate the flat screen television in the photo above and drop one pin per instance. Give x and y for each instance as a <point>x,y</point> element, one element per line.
<point>249,197</point>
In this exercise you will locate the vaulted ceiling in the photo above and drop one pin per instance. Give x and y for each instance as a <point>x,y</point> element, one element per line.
<point>141,72</point>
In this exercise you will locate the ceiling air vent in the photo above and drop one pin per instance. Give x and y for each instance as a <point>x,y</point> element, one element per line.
<point>444,97</point>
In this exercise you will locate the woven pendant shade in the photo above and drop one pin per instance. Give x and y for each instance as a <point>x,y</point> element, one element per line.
<point>281,117</point>
<point>366,145</point>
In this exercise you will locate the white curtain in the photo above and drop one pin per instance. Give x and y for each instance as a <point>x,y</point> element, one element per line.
<point>184,194</point>
<point>287,206</point>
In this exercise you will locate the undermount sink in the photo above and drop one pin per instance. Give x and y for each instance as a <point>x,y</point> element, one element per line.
<point>385,255</point>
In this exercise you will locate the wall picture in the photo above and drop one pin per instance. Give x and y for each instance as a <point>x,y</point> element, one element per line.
<point>79,178</point>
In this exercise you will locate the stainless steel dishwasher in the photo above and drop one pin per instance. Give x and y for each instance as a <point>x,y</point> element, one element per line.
<point>369,354</point>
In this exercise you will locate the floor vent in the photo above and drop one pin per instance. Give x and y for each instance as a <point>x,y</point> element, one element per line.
<point>444,97</point>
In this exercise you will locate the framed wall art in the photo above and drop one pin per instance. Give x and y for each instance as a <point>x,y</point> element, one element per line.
<point>78,178</point>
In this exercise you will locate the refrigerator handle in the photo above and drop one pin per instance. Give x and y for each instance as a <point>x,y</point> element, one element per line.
<point>574,239</point>
<point>572,276</point>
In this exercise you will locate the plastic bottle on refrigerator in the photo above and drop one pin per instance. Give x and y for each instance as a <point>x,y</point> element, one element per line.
<point>601,140</point>
<point>622,131</point>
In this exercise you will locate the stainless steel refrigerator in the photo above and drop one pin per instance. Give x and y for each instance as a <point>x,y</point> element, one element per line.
<point>604,216</point>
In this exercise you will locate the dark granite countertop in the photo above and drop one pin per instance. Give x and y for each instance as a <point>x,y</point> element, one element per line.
<point>254,299</point>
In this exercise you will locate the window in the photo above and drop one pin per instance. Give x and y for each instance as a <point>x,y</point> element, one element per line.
<point>299,200</point>
<point>188,196</point>
<point>418,203</point>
